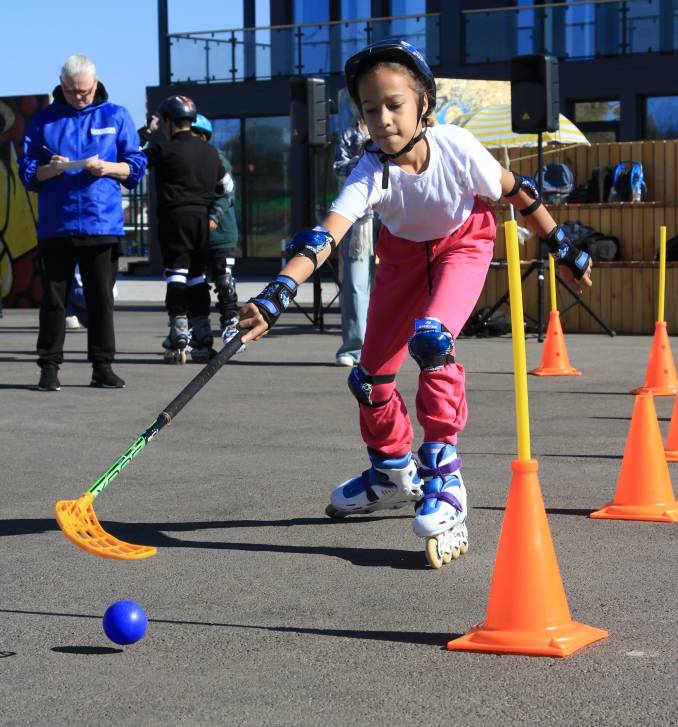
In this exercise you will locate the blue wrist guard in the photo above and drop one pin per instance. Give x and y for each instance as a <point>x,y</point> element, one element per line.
<point>564,251</point>
<point>275,298</point>
<point>308,243</point>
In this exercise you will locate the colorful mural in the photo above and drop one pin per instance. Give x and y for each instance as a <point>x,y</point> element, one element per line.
<point>20,285</point>
<point>454,97</point>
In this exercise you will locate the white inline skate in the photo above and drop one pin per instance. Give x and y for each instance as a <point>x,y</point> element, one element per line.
<point>176,343</point>
<point>440,516</point>
<point>388,484</point>
<point>200,345</point>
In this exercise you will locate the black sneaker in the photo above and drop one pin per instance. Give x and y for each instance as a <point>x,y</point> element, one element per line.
<point>104,378</point>
<point>49,380</point>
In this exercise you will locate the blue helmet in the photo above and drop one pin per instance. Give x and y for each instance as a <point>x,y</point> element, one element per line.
<point>202,124</point>
<point>391,49</point>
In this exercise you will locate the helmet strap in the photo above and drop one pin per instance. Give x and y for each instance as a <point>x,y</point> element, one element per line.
<point>384,158</point>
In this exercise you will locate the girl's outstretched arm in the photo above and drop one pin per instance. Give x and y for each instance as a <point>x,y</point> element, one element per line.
<point>524,197</point>
<point>262,311</point>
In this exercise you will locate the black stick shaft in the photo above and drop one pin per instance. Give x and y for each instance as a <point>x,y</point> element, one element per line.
<point>202,377</point>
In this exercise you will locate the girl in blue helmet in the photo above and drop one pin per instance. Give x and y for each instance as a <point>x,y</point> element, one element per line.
<point>435,248</point>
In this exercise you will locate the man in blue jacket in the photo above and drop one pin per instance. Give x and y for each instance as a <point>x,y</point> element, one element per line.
<point>80,216</point>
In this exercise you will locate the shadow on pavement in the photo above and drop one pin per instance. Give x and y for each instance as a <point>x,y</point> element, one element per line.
<point>402,637</point>
<point>86,650</point>
<point>153,534</point>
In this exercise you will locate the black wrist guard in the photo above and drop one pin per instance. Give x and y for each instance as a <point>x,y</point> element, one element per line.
<point>308,243</point>
<point>566,252</point>
<point>275,298</point>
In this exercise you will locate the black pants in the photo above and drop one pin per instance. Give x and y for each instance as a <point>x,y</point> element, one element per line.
<point>57,263</point>
<point>184,234</point>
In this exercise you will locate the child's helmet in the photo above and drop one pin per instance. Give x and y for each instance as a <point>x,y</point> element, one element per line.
<point>178,107</point>
<point>391,49</point>
<point>203,125</point>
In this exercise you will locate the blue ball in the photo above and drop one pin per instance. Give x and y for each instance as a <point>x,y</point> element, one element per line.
<point>125,622</point>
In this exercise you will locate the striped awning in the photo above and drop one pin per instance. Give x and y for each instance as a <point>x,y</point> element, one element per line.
<point>492,127</point>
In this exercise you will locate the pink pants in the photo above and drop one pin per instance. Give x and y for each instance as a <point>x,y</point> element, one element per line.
<point>438,279</point>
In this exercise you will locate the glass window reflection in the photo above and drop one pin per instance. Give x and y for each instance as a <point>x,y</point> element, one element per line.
<point>267,184</point>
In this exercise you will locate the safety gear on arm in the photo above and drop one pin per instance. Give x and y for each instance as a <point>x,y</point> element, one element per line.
<point>308,243</point>
<point>529,186</point>
<point>566,252</point>
<point>275,298</point>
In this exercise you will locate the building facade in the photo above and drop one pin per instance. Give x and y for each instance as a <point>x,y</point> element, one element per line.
<point>618,75</point>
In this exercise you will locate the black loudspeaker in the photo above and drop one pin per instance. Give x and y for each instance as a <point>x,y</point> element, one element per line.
<point>535,104</point>
<point>308,111</point>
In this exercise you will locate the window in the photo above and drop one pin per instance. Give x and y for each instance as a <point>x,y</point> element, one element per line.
<point>661,117</point>
<point>314,40</point>
<point>227,137</point>
<point>598,119</point>
<point>267,184</point>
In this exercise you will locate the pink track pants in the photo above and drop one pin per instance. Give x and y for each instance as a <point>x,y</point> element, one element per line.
<point>438,279</point>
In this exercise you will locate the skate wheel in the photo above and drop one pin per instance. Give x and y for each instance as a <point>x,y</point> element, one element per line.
<point>463,548</point>
<point>332,511</point>
<point>433,555</point>
<point>447,556</point>
<point>181,357</point>
<point>454,554</point>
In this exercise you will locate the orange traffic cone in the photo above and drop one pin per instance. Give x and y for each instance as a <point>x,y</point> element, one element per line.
<point>554,360</point>
<point>644,490</point>
<point>671,448</point>
<point>660,377</point>
<point>527,611</point>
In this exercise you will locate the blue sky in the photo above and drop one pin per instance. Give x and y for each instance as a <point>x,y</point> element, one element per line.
<point>120,37</point>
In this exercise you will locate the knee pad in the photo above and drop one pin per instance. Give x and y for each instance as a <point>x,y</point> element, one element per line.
<point>361,385</point>
<point>225,284</point>
<point>432,345</point>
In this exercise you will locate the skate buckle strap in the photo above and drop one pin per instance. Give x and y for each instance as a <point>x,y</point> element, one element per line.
<point>446,469</point>
<point>367,485</point>
<point>448,497</point>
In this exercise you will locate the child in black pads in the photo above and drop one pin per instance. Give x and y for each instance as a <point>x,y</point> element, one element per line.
<point>188,177</point>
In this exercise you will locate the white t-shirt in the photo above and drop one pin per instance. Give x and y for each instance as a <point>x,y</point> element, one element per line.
<point>429,205</point>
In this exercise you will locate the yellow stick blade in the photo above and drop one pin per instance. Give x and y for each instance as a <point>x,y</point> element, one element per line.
<point>80,525</point>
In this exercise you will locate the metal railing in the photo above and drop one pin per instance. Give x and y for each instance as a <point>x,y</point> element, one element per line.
<point>572,30</point>
<point>135,214</point>
<point>236,54</point>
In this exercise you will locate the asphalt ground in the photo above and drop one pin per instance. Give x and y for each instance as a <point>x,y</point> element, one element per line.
<point>262,611</point>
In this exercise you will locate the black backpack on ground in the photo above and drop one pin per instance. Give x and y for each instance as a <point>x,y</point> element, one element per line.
<point>497,324</point>
<point>598,245</point>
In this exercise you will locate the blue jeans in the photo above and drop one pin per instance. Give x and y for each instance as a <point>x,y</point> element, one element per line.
<point>355,294</point>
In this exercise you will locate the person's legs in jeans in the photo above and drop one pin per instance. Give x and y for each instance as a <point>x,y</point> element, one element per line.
<point>358,266</point>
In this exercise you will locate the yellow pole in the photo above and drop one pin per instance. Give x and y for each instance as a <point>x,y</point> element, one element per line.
<point>662,272</point>
<point>518,335</point>
<point>552,283</point>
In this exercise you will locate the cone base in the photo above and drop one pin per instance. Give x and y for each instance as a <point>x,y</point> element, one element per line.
<point>671,455</point>
<point>554,372</point>
<point>559,642</point>
<point>656,390</point>
<point>667,513</point>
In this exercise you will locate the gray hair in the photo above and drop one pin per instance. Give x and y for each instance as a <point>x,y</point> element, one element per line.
<point>77,65</point>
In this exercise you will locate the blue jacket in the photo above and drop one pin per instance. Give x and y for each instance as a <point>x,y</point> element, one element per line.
<point>76,202</point>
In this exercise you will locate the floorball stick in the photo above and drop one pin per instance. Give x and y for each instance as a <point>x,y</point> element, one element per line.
<point>77,518</point>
